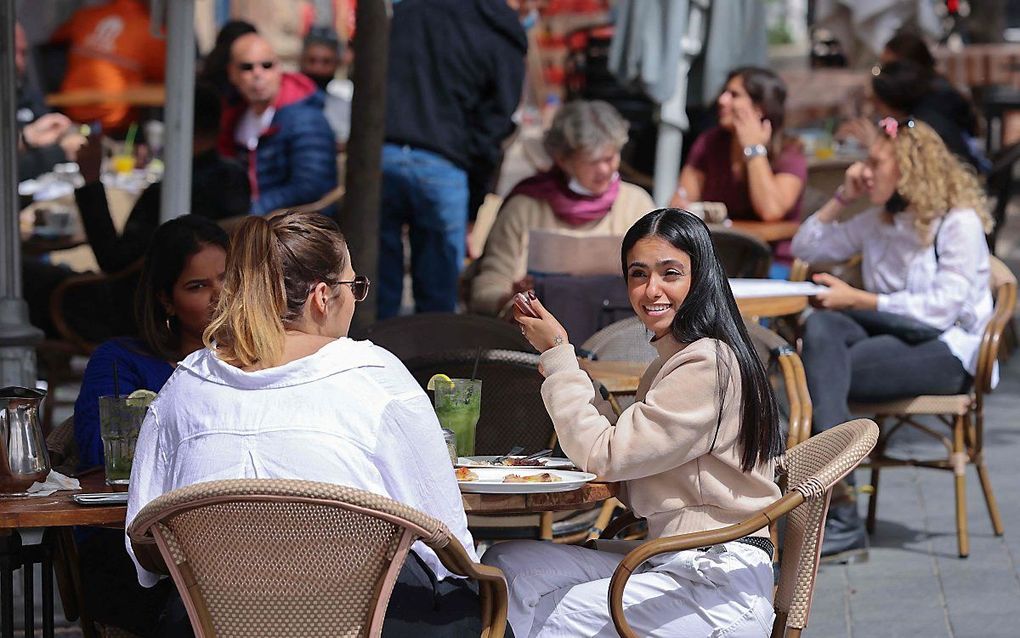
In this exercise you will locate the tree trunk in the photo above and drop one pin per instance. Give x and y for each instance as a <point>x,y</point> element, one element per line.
<point>359,217</point>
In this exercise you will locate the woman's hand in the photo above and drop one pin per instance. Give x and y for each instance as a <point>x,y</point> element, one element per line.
<point>857,181</point>
<point>861,129</point>
<point>842,296</point>
<point>90,159</point>
<point>749,128</point>
<point>544,332</point>
<point>47,130</point>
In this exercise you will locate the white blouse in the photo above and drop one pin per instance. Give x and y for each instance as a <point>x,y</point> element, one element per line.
<point>945,285</point>
<point>349,414</point>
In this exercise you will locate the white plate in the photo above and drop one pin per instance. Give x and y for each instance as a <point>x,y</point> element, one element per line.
<point>484,461</point>
<point>101,498</point>
<point>490,481</point>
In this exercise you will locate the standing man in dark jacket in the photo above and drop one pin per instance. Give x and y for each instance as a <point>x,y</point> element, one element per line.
<point>277,129</point>
<point>456,70</point>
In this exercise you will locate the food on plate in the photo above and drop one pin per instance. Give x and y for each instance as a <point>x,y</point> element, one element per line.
<point>544,477</point>
<point>464,474</point>
<point>513,461</point>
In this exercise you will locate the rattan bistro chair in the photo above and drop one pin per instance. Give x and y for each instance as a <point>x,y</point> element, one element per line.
<point>741,254</point>
<point>431,333</point>
<point>810,470</point>
<point>267,557</point>
<point>962,413</point>
<point>624,340</point>
<point>512,409</point>
<point>776,353</point>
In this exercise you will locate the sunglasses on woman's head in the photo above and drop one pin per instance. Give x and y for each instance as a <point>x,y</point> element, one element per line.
<point>249,66</point>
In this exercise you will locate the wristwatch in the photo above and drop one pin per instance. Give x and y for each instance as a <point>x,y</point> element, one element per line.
<point>750,152</point>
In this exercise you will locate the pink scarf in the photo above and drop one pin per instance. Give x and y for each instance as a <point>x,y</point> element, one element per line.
<point>572,208</point>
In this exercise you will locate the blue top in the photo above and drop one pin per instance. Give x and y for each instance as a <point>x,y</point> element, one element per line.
<point>135,370</point>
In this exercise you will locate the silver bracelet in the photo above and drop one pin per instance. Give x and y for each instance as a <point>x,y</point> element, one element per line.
<point>750,152</point>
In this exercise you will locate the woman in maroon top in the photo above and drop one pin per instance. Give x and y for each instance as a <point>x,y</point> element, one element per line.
<point>744,162</point>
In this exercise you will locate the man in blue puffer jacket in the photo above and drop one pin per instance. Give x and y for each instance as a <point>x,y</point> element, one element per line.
<point>278,129</point>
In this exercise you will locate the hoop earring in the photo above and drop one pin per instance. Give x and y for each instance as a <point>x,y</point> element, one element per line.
<point>168,328</point>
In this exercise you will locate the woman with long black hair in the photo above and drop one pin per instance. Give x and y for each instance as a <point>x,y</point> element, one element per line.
<point>694,453</point>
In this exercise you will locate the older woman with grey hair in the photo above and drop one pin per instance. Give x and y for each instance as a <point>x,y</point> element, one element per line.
<point>582,194</point>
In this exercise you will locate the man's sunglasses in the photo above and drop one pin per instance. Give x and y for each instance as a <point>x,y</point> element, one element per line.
<point>359,286</point>
<point>250,66</point>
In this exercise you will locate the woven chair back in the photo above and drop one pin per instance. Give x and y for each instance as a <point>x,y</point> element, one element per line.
<point>260,557</point>
<point>741,254</point>
<point>625,340</point>
<point>1003,285</point>
<point>433,333</point>
<point>786,374</point>
<point>512,409</point>
<point>812,468</point>
<point>89,309</point>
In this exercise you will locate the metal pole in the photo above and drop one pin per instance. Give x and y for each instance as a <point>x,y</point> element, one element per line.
<point>180,90</point>
<point>359,217</point>
<point>17,336</point>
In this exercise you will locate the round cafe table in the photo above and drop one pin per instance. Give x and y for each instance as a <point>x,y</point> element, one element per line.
<point>500,504</point>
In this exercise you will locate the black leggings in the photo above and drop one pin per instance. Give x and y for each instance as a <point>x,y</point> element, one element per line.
<point>845,362</point>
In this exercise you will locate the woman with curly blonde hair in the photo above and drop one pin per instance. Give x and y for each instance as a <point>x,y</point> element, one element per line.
<point>916,326</point>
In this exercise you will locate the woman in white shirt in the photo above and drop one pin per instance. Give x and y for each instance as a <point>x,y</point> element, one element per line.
<point>916,326</point>
<point>281,392</point>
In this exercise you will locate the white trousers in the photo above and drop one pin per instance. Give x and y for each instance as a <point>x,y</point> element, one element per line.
<point>563,590</point>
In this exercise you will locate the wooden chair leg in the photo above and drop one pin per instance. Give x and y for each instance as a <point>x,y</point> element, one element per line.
<point>872,500</point>
<point>993,507</point>
<point>959,462</point>
<point>545,529</point>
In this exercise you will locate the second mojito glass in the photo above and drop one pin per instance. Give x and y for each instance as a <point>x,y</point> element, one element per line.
<point>458,405</point>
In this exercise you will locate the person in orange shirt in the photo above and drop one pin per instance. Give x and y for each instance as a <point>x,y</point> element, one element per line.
<point>112,49</point>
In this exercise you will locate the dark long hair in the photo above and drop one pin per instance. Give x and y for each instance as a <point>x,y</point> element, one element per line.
<point>710,311</point>
<point>171,246</point>
<point>901,85</point>
<point>768,92</point>
<point>214,67</point>
<point>909,45</point>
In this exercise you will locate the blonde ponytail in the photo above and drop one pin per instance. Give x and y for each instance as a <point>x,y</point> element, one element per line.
<point>273,265</point>
<point>247,328</point>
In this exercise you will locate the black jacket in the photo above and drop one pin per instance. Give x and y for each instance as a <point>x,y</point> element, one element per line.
<point>456,71</point>
<point>33,162</point>
<point>219,189</point>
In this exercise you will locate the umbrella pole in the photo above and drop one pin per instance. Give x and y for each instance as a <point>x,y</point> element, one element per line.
<point>672,124</point>
<point>17,336</point>
<point>175,197</point>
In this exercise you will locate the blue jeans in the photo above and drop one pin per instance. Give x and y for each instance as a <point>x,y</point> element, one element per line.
<point>428,194</point>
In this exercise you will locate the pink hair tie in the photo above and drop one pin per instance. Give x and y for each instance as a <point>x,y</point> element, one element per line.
<point>890,126</point>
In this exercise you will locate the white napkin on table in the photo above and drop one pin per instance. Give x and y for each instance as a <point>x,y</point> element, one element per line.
<point>54,481</point>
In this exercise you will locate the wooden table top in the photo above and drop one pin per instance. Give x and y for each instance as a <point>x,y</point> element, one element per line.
<point>771,306</point>
<point>767,231</point>
<point>619,377</point>
<point>589,494</point>
<point>58,510</point>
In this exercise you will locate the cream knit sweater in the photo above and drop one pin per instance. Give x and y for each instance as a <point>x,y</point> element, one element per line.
<point>506,249</point>
<point>661,446</point>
